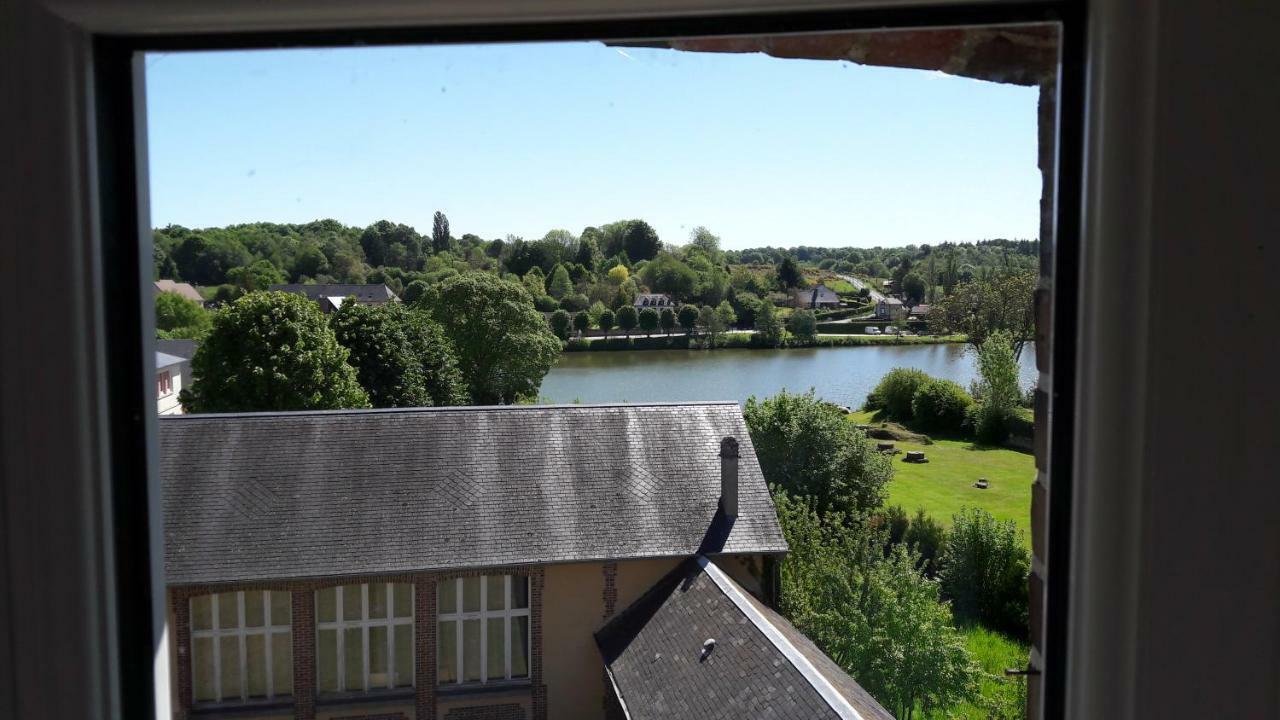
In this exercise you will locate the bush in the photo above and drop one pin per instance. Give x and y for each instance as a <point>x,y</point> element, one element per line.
<point>926,536</point>
<point>940,406</point>
<point>896,391</point>
<point>546,303</point>
<point>983,571</point>
<point>574,303</point>
<point>895,522</point>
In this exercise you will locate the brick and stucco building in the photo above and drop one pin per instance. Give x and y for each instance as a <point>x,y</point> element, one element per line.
<point>479,563</point>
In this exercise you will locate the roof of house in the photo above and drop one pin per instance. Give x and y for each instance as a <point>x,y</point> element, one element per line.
<point>921,309</point>
<point>650,299</point>
<point>183,289</point>
<point>164,360</point>
<point>760,665</point>
<point>377,292</point>
<point>185,349</point>
<point>313,494</point>
<point>891,301</point>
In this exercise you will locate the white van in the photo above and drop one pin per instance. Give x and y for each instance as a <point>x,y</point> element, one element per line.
<point>873,330</point>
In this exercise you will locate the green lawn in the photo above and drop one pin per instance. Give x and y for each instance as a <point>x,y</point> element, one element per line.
<point>945,484</point>
<point>1001,696</point>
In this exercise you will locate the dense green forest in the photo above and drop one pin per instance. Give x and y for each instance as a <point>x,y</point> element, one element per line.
<point>607,264</point>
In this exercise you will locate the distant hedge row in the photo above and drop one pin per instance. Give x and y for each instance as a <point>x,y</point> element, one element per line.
<point>859,327</point>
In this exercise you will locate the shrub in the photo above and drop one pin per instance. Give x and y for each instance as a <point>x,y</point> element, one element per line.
<point>983,571</point>
<point>546,304</point>
<point>926,536</point>
<point>895,522</point>
<point>940,405</point>
<point>574,303</point>
<point>896,391</point>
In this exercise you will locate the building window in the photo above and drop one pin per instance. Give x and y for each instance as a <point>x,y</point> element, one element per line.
<point>241,646</point>
<point>364,637</point>
<point>484,629</point>
<point>164,383</point>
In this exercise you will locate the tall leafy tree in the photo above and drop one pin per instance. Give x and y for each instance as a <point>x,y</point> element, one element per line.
<point>271,351</point>
<point>401,356</point>
<point>667,274</point>
<point>768,326</point>
<point>504,346</point>
<point>688,318</point>
<point>807,447</point>
<point>588,251</point>
<point>706,241</point>
<point>789,275</point>
<point>388,243</point>
<point>440,232</point>
<point>640,241</point>
<point>913,289</point>
<point>804,325</point>
<point>628,319</point>
<point>560,324</point>
<point>261,275</point>
<point>606,321</point>
<point>581,322</point>
<point>178,317</point>
<point>711,324</point>
<point>559,285</point>
<point>983,569</point>
<point>873,612</point>
<point>979,308</point>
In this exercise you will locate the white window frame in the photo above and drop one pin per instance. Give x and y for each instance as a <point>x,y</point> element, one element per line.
<point>364,623</point>
<point>217,632</point>
<point>484,616</point>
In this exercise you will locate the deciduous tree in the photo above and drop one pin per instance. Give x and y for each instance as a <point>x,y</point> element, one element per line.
<point>688,318</point>
<point>178,317</point>
<point>271,351</point>
<point>648,321</point>
<point>628,318</point>
<point>440,232</point>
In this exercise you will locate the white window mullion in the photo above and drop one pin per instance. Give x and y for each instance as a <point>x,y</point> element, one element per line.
<point>458,629</point>
<point>484,629</point>
<point>342,637</point>
<point>506,629</point>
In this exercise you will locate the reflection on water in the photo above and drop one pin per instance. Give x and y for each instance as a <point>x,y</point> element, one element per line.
<point>841,375</point>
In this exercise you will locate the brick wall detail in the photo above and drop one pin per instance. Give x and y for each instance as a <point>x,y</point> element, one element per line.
<point>509,711</point>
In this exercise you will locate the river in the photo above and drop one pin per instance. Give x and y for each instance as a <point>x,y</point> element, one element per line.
<point>841,375</point>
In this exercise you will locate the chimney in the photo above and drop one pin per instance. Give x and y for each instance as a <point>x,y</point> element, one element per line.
<point>729,477</point>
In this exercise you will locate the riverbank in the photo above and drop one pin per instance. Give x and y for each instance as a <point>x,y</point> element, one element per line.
<point>744,340</point>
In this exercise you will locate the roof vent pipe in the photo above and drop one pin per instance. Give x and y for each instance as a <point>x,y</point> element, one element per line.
<point>729,477</point>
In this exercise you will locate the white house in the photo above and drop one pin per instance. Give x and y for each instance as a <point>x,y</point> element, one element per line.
<point>170,372</point>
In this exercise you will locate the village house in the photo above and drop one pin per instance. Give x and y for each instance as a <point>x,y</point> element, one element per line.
<point>171,370</point>
<point>186,290</point>
<point>890,309</point>
<point>481,563</point>
<point>814,298</point>
<point>654,300</point>
<point>331,296</point>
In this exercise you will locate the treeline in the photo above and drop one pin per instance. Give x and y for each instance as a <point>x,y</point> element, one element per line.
<point>606,265</point>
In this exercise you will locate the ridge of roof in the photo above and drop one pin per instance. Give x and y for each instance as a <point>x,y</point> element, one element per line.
<point>816,679</point>
<point>443,409</point>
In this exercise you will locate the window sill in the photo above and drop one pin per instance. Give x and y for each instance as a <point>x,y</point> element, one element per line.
<point>513,687</point>
<point>239,707</point>
<point>362,697</point>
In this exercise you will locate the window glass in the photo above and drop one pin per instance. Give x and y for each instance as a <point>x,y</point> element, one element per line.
<point>351,602</point>
<point>326,605</point>
<point>470,650</point>
<point>202,669</point>
<point>377,600</point>
<point>403,656</point>
<point>520,647</point>
<point>496,593</point>
<point>327,660</point>
<point>353,655</point>
<point>378,649</point>
<point>403,599</point>
<point>202,612</point>
<point>228,610</point>
<point>448,596</point>
<point>470,594</point>
<point>448,651</point>
<point>281,608</point>
<point>519,591</point>
<point>282,662</point>
<point>255,658</point>
<point>254,609</point>
<point>229,647</point>
<point>495,648</point>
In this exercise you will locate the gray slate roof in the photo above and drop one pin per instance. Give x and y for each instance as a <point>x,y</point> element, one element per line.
<point>375,293</point>
<point>164,360</point>
<point>761,666</point>
<point>292,495</point>
<point>185,349</point>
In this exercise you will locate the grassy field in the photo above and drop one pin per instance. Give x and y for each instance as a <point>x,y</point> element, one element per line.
<point>945,484</point>
<point>1001,696</point>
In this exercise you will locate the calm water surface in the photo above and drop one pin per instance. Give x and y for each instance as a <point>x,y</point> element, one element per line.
<point>840,375</point>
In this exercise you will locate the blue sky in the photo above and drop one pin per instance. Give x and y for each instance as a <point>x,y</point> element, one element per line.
<point>520,139</point>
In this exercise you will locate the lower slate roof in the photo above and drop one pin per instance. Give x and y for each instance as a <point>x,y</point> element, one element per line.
<point>759,666</point>
<point>261,496</point>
